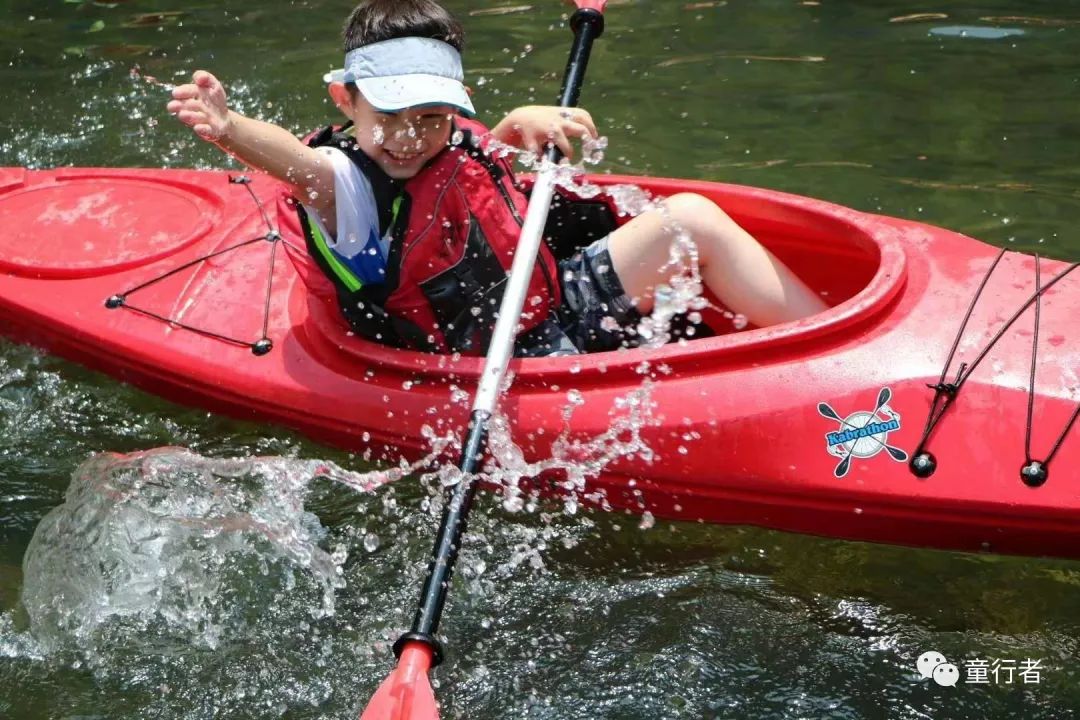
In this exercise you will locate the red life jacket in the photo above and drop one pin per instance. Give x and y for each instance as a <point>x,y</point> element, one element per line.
<point>454,230</point>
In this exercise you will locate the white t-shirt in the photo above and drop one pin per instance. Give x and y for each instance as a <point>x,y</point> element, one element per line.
<point>357,244</point>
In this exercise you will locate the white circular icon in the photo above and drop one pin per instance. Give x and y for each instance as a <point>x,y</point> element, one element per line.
<point>946,675</point>
<point>928,661</point>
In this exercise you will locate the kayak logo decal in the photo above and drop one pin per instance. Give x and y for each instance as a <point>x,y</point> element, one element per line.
<point>862,434</point>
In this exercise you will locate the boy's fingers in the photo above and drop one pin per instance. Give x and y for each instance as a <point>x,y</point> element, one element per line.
<point>179,106</point>
<point>192,118</point>
<point>576,129</point>
<point>580,117</point>
<point>184,92</point>
<point>584,118</point>
<point>203,79</point>
<point>559,139</point>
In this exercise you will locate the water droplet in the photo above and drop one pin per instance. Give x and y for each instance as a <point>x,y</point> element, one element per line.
<point>609,323</point>
<point>371,542</point>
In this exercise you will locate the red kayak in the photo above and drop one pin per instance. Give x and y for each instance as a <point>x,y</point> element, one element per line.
<point>904,414</point>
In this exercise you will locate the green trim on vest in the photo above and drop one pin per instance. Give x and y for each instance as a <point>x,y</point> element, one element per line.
<point>350,281</point>
<point>395,208</point>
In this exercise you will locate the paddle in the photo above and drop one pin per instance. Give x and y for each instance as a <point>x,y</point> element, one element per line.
<point>406,694</point>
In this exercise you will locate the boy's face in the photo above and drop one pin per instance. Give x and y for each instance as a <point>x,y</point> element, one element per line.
<point>400,143</point>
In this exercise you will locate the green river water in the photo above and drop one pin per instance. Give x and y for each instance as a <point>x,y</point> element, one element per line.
<point>962,114</point>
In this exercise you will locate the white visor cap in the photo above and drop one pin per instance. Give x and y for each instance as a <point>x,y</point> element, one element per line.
<point>406,72</point>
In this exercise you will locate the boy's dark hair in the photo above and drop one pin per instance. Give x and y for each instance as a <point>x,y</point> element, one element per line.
<point>376,20</point>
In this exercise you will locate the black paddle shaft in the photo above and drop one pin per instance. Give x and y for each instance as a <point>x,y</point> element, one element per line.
<point>587,24</point>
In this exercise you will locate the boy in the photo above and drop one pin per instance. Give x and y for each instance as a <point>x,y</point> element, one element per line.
<point>415,224</point>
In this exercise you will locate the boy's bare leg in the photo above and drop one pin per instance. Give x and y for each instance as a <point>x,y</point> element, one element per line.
<point>744,275</point>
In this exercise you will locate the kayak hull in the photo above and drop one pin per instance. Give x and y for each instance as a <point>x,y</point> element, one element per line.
<point>734,428</point>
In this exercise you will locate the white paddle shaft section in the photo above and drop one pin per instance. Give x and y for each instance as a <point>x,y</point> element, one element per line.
<point>513,300</point>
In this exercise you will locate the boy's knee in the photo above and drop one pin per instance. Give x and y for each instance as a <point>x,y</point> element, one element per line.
<point>691,207</point>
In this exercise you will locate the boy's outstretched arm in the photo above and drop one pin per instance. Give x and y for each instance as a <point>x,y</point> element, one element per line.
<point>202,106</point>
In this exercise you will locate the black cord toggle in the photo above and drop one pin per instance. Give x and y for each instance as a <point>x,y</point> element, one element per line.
<point>1034,474</point>
<point>948,389</point>
<point>923,464</point>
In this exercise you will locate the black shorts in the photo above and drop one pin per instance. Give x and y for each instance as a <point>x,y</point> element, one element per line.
<point>596,313</point>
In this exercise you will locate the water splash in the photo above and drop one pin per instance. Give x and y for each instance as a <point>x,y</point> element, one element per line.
<point>188,583</point>
<point>572,461</point>
<point>170,544</point>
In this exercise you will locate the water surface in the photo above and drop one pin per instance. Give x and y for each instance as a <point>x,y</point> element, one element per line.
<point>963,116</point>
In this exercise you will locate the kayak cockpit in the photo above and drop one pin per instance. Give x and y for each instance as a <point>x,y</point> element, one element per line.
<point>855,265</point>
<point>817,240</point>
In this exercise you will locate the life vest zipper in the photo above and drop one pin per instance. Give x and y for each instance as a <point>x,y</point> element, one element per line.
<point>420,236</point>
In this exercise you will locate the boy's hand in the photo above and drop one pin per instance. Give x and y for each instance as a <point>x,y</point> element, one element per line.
<point>535,126</point>
<point>201,105</point>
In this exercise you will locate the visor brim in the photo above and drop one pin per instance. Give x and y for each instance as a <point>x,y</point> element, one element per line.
<point>399,92</point>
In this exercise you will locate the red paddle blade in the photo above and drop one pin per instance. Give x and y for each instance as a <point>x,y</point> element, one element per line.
<point>597,5</point>
<point>407,693</point>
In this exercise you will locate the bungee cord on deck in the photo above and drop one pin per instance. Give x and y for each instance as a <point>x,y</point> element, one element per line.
<point>263,344</point>
<point>1034,473</point>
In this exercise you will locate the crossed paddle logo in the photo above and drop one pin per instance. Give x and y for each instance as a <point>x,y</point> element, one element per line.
<point>862,434</point>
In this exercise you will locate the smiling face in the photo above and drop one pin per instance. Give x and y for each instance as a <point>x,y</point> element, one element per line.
<point>400,143</point>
